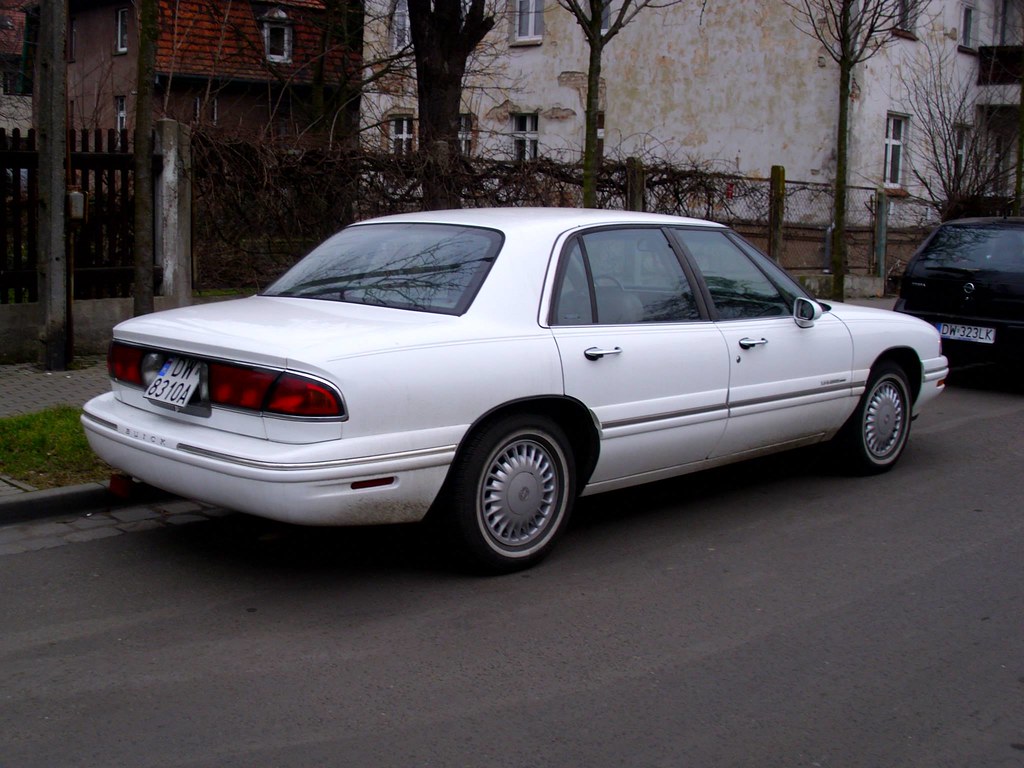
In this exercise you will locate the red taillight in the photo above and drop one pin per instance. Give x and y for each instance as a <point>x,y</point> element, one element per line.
<point>239,387</point>
<point>124,363</point>
<point>298,396</point>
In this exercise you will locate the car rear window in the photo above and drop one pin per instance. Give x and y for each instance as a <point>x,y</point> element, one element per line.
<point>971,248</point>
<point>425,267</point>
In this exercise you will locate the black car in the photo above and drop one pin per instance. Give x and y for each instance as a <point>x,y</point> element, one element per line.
<point>967,279</point>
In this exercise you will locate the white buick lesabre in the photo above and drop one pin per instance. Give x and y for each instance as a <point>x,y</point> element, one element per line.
<point>493,365</point>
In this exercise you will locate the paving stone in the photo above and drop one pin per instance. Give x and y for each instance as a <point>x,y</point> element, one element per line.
<point>140,525</point>
<point>186,519</point>
<point>35,544</point>
<point>92,535</point>
<point>85,523</point>
<point>179,507</point>
<point>134,514</point>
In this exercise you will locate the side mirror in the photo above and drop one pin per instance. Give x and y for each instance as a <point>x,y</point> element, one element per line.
<point>806,312</point>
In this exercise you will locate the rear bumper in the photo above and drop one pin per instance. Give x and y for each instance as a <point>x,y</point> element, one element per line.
<point>1009,340</point>
<point>343,482</point>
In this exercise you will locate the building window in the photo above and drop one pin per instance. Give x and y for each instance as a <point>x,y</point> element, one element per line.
<point>895,138</point>
<point>73,38</point>
<point>524,136</point>
<point>277,36</point>
<point>529,20</point>
<point>204,111</point>
<point>400,33</point>
<point>606,16</point>
<point>906,15</point>
<point>121,39</point>
<point>967,26</point>
<point>402,136</point>
<point>960,134</point>
<point>466,134</point>
<point>120,113</point>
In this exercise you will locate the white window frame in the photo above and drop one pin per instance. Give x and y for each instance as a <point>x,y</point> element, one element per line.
<point>895,144</point>
<point>528,21</point>
<point>121,33</point>
<point>968,25</point>
<point>401,34</point>
<point>277,21</point>
<point>120,113</point>
<point>402,134</point>
<point>211,110</point>
<point>466,134</point>
<point>525,135</point>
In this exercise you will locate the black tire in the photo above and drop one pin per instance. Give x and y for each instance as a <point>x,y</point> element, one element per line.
<point>873,438</point>
<point>511,492</point>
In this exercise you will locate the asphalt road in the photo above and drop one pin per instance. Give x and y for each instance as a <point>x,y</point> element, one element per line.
<point>774,614</point>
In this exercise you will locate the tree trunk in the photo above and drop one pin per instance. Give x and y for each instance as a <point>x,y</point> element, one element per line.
<point>143,158</point>
<point>839,198</point>
<point>444,34</point>
<point>591,155</point>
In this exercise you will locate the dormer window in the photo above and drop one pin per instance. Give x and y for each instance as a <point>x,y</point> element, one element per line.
<point>277,36</point>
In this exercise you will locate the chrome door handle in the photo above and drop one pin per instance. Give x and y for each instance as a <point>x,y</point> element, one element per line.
<point>747,342</point>
<point>594,353</point>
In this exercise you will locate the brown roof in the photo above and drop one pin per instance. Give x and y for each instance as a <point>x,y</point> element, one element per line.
<point>223,39</point>
<point>12,28</point>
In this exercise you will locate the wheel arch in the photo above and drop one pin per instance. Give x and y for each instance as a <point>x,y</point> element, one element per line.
<point>907,359</point>
<point>571,415</point>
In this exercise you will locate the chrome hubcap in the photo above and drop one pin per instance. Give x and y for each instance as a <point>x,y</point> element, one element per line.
<point>519,496</point>
<point>884,420</point>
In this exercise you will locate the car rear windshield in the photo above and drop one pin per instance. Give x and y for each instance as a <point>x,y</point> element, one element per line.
<point>971,248</point>
<point>425,267</point>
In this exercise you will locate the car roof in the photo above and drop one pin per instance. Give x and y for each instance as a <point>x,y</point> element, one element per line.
<point>548,218</point>
<point>1012,221</point>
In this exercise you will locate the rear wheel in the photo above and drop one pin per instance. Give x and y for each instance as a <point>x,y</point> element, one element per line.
<point>512,491</point>
<point>874,437</point>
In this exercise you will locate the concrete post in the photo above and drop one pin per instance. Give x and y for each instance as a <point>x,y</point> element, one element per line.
<point>52,183</point>
<point>173,203</point>
<point>636,184</point>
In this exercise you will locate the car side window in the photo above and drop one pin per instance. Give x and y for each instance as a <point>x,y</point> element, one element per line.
<point>738,288</point>
<point>621,276</point>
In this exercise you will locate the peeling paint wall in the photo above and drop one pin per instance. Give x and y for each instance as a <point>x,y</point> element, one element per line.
<point>737,87</point>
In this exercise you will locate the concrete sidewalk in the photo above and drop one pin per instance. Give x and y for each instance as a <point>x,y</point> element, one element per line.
<point>27,388</point>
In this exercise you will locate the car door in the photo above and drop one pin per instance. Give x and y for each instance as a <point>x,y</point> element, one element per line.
<point>787,383</point>
<point>638,351</point>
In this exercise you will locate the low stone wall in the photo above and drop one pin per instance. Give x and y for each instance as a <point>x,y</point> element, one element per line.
<point>93,321</point>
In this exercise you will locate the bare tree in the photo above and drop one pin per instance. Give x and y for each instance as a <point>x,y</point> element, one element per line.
<point>600,25</point>
<point>444,35</point>
<point>851,31</point>
<point>960,151</point>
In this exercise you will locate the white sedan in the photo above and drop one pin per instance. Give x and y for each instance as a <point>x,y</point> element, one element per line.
<point>493,365</point>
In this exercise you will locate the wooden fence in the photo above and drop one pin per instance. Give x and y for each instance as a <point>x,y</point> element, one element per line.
<point>99,248</point>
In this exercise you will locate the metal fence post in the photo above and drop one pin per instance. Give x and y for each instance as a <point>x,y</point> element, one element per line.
<point>881,228</point>
<point>776,211</point>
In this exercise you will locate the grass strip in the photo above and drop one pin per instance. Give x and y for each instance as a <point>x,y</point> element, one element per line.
<point>48,449</point>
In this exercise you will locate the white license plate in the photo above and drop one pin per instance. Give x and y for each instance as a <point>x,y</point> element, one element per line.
<point>176,381</point>
<point>975,333</point>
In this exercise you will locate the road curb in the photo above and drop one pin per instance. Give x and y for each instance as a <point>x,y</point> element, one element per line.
<point>73,500</point>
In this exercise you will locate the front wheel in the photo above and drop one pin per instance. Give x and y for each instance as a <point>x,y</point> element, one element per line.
<point>512,491</point>
<point>874,437</point>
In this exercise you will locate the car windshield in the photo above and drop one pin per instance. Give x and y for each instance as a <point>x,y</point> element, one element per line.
<point>976,247</point>
<point>425,267</point>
